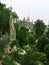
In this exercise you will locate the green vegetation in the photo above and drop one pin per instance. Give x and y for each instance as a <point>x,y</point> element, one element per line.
<point>5,18</point>
<point>27,49</point>
<point>39,27</point>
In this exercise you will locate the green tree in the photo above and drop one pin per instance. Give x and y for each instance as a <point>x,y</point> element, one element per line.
<point>46,49</point>
<point>5,17</point>
<point>42,42</point>
<point>15,15</point>
<point>39,27</point>
<point>31,39</point>
<point>31,57</point>
<point>8,60</point>
<point>21,34</point>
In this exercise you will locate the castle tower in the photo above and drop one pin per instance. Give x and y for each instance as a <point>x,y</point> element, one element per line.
<point>12,34</point>
<point>12,28</point>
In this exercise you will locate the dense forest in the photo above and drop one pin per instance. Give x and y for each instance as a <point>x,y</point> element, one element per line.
<point>28,48</point>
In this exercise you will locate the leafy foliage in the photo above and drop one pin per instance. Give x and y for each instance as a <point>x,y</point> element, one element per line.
<point>21,35</point>
<point>39,27</point>
<point>42,42</point>
<point>5,17</point>
<point>47,50</point>
<point>31,49</point>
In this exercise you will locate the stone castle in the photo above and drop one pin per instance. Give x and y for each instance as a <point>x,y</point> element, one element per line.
<point>27,24</point>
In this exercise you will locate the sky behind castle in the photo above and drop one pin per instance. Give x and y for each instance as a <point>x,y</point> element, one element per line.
<point>33,8</point>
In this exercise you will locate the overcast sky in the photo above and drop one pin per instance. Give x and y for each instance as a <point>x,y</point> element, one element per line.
<point>33,8</point>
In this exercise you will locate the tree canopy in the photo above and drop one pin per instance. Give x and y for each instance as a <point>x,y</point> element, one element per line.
<point>39,27</point>
<point>5,17</point>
